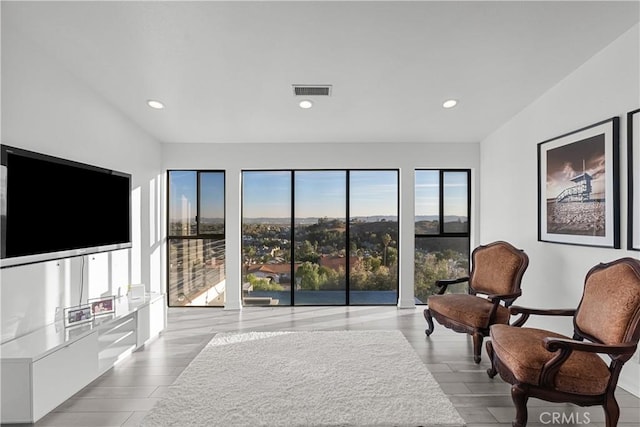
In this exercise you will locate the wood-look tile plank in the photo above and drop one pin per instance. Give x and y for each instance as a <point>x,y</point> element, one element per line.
<point>146,375</point>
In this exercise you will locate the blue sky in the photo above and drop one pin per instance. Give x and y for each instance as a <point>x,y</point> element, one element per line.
<point>317,193</point>
<point>427,193</point>
<point>182,197</point>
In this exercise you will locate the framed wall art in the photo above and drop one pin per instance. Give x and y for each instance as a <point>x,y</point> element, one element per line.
<point>578,187</point>
<point>633,158</point>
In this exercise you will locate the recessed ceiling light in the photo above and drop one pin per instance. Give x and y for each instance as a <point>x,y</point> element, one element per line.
<point>306,104</point>
<point>155,104</point>
<point>449,103</point>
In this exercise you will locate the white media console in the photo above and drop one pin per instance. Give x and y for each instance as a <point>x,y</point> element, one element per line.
<point>42,369</point>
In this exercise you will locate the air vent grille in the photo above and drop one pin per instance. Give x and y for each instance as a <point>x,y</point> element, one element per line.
<point>312,90</point>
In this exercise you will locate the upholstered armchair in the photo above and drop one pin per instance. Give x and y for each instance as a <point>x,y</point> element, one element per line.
<point>553,367</point>
<point>494,284</point>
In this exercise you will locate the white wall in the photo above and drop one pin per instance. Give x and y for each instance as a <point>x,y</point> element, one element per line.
<point>234,158</point>
<point>607,85</point>
<point>45,108</point>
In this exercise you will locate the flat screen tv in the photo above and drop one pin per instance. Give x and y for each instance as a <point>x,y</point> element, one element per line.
<point>52,208</point>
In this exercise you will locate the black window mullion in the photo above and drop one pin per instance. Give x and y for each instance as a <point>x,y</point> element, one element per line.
<point>292,239</point>
<point>347,237</point>
<point>198,198</point>
<point>441,202</point>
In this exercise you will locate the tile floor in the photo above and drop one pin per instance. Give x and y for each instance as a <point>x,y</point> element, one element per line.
<point>123,395</point>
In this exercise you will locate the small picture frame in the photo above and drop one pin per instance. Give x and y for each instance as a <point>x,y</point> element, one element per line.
<point>102,306</point>
<point>77,315</point>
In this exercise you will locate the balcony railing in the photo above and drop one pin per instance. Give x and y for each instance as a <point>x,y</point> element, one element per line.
<point>196,272</point>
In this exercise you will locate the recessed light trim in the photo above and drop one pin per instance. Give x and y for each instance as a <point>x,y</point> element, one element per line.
<point>305,104</point>
<point>450,103</point>
<point>155,104</point>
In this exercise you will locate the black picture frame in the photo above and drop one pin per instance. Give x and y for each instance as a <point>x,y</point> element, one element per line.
<point>579,188</point>
<point>633,185</point>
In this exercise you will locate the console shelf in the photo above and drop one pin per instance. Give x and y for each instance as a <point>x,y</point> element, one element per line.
<point>42,369</point>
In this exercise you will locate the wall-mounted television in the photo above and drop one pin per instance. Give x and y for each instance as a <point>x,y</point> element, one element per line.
<point>52,208</point>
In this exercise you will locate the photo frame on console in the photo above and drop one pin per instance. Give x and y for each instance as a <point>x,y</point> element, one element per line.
<point>633,158</point>
<point>102,306</point>
<point>77,315</point>
<point>578,187</point>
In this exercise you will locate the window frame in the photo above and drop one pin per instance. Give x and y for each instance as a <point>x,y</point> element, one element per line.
<point>347,172</point>
<point>441,215</point>
<point>197,236</point>
<point>441,204</point>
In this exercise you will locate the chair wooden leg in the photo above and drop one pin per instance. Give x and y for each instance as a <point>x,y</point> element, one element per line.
<point>492,372</point>
<point>611,411</point>
<point>520,397</point>
<point>477,346</point>
<point>427,316</point>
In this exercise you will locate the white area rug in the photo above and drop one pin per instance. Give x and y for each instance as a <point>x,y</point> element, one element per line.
<point>324,378</point>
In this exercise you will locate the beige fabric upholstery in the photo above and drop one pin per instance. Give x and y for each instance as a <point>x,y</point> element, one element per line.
<point>467,309</point>
<point>611,298</point>
<point>522,351</point>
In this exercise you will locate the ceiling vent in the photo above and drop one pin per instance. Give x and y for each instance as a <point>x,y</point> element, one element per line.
<point>312,90</point>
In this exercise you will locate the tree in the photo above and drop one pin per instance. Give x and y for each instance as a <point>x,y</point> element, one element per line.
<point>307,252</point>
<point>386,239</point>
<point>392,256</point>
<point>434,266</point>
<point>261,284</point>
<point>308,275</point>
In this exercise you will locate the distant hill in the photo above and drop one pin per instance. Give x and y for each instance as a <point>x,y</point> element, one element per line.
<point>376,218</point>
<point>447,218</point>
<point>372,218</point>
<point>212,220</point>
<point>314,220</point>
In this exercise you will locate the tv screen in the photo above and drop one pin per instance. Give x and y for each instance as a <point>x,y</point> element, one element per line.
<point>54,208</point>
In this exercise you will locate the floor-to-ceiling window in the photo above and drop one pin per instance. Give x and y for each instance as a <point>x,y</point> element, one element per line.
<point>442,207</point>
<point>320,237</point>
<point>195,242</point>
<point>373,237</point>
<point>266,237</point>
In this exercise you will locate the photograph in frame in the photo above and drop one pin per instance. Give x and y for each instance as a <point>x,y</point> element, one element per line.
<point>77,315</point>
<point>102,306</point>
<point>578,188</point>
<point>633,157</point>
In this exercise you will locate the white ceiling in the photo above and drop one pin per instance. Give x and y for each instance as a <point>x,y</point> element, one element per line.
<point>225,69</point>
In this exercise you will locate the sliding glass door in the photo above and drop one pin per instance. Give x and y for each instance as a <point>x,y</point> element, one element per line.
<point>266,238</point>
<point>320,237</point>
<point>302,231</point>
<point>373,237</point>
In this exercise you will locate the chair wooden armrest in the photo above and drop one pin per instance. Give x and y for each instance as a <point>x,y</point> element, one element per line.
<point>564,347</point>
<point>495,299</point>
<point>443,283</point>
<point>504,297</point>
<point>525,312</point>
<point>613,350</point>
